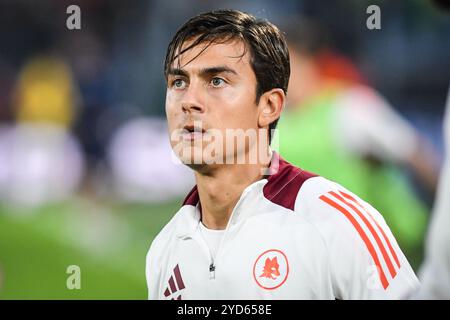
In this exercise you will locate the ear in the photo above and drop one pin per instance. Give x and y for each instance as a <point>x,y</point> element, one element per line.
<point>270,106</point>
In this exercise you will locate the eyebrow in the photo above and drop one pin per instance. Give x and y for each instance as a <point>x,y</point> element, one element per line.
<point>203,72</point>
<point>177,72</point>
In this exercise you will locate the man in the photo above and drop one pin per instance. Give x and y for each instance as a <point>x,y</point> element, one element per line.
<point>257,229</point>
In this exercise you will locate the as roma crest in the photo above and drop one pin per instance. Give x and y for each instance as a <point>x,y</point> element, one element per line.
<point>271,269</point>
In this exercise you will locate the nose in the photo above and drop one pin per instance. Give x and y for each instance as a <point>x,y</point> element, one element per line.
<point>192,100</point>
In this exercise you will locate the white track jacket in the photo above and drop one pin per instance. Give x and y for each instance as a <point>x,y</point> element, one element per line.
<point>294,235</point>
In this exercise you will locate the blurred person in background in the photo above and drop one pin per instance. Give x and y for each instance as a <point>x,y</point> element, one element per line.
<point>91,64</point>
<point>45,93</point>
<point>40,160</point>
<point>339,127</point>
<point>435,271</point>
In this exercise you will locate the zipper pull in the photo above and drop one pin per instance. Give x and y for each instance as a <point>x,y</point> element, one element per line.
<point>212,271</point>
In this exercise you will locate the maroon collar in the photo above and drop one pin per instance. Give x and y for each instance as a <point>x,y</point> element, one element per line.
<point>281,188</point>
<point>192,198</point>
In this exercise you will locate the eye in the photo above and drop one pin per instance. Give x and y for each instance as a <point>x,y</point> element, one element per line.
<point>217,82</point>
<point>178,83</point>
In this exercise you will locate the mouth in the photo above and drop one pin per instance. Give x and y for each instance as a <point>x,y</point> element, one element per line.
<point>193,128</point>
<point>192,132</point>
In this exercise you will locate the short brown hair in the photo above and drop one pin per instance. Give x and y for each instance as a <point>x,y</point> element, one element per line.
<point>269,54</point>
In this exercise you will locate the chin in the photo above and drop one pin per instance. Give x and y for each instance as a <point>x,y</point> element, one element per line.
<point>202,168</point>
<point>201,165</point>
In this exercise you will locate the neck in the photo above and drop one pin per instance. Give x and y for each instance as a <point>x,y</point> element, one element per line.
<point>220,190</point>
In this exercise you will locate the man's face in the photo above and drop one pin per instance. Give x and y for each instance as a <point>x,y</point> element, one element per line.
<point>214,92</point>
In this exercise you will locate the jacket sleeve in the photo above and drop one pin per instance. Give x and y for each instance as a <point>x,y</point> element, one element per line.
<point>365,259</point>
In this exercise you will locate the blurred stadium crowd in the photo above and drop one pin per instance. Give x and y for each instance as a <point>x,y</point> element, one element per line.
<point>86,171</point>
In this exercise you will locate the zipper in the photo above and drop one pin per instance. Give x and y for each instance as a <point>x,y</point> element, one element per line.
<point>212,271</point>
<point>201,240</point>
<point>212,267</point>
<point>213,264</point>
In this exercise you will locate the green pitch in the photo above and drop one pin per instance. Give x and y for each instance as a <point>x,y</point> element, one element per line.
<point>107,241</point>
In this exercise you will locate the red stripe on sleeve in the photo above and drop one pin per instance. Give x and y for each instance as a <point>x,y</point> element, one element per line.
<point>378,226</point>
<point>386,257</point>
<point>363,236</point>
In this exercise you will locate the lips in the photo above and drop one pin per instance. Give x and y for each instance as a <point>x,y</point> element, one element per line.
<point>193,128</point>
<point>192,132</point>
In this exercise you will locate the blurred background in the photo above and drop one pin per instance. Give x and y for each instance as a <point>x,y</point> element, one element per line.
<point>87,176</point>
